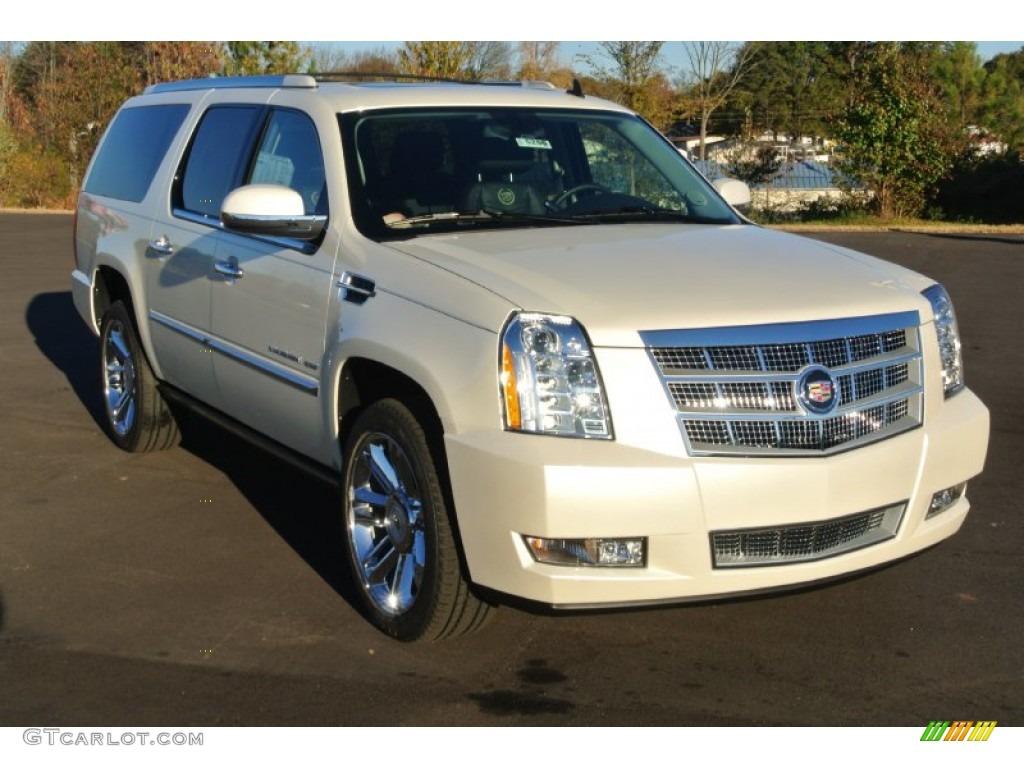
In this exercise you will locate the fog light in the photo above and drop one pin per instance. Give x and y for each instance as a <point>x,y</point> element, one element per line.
<point>944,499</point>
<point>601,553</point>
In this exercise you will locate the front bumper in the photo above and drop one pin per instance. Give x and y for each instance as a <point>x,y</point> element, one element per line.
<point>507,485</point>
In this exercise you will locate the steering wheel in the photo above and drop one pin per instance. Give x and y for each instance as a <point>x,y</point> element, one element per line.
<point>562,199</point>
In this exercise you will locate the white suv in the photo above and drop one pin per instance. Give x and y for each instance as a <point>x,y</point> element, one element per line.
<point>538,351</point>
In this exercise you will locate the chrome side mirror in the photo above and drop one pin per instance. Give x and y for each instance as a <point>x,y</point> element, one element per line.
<point>270,210</point>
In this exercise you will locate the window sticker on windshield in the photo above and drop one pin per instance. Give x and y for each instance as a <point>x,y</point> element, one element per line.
<point>528,142</point>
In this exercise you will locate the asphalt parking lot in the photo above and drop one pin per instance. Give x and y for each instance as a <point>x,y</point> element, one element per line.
<point>201,586</point>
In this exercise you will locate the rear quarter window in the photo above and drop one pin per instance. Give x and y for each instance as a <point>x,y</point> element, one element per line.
<point>132,150</point>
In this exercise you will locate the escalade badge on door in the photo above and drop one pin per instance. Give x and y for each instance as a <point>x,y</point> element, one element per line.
<point>817,391</point>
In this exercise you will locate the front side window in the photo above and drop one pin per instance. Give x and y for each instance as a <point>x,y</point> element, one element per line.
<point>422,170</point>
<point>289,155</point>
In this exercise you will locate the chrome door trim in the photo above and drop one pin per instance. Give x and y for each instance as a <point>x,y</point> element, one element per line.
<point>307,384</point>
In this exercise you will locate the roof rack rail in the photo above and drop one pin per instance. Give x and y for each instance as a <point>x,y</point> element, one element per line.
<point>331,77</point>
<point>214,81</point>
<point>344,76</point>
<point>538,84</point>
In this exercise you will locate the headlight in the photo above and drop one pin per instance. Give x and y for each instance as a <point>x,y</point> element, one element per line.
<point>549,379</point>
<point>949,339</point>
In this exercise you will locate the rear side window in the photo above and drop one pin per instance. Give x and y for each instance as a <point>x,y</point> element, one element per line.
<point>133,149</point>
<point>218,157</point>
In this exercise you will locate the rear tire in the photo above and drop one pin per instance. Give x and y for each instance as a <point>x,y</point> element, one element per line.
<point>138,419</point>
<point>398,530</point>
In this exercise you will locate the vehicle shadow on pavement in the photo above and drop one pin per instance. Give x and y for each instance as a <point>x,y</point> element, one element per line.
<point>989,238</point>
<point>66,342</point>
<point>304,512</point>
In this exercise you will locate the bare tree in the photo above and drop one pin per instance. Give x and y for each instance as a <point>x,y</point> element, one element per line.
<point>8,54</point>
<point>635,75</point>
<point>490,58</point>
<point>455,59</point>
<point>326,57</point>
<point>714,70</point>
<point>538,60</point>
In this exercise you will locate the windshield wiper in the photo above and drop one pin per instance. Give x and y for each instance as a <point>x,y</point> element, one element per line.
<point>427,218</point>
<point>647,213</point>
<point>483,215</point>
<point>538,218</point>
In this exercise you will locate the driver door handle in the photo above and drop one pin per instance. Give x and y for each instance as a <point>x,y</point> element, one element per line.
<point>229,268</point>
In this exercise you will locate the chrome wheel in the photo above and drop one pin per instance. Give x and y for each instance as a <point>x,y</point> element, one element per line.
<point>385,523</point>
<point>138,419</point>
<point>119,390</point>
<point>401,543</point>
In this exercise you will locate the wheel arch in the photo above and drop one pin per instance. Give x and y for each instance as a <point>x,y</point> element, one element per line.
<point>109,285</point>
<point>364,381</point>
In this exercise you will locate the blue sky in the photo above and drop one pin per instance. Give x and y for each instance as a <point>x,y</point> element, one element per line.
<point>523,19</point>
<point>672,52</point>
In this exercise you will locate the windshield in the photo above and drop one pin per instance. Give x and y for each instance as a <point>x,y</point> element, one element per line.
<point>430,170</point>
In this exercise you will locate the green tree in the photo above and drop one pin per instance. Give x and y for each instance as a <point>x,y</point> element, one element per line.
<point>443,59</point>
<point>960,76</point>
<point>266,57</point>
<point>1002,100</point>
<point>755,165</point>
<point>894,134</point>
<point>789,88</point>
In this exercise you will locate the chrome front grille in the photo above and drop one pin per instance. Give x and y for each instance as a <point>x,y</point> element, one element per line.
<point>744,390</point>
<point>808,541</point>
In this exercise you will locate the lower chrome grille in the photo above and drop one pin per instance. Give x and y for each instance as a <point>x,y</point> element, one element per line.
<point>792,389</point>
<point>807,541</point>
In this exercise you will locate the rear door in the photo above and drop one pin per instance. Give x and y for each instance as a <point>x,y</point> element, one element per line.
<point>183,244</point>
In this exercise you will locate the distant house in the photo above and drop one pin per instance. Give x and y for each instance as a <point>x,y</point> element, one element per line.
<point>686,138</point>
<point>985,143</point>
<point>796,183</point>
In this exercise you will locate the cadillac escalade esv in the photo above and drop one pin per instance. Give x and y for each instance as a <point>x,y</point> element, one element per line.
<point>538,352</point>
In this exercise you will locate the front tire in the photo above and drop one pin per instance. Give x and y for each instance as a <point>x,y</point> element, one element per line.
<point>137,417</point>
<point>399,534</point>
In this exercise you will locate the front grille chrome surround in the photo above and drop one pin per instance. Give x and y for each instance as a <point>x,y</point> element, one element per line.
<point>782,545</point>
<point>737,391</point>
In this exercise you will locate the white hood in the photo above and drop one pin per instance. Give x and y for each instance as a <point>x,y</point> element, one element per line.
<point>621,279</point>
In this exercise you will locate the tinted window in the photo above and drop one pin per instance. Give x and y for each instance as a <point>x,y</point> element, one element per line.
<point>431,170</point>
<point>132,150</point>
<point>289,155</point>
<point>217,158</point>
